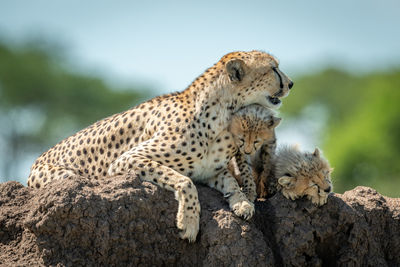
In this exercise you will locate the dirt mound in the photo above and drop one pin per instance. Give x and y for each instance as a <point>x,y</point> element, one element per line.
<point>126,222</point>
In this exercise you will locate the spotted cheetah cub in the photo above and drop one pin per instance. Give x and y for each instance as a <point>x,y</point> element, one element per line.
<point>303,174</point>
<point>251,127</point>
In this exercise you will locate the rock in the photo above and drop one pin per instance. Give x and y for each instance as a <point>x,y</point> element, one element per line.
<point>126,222</point>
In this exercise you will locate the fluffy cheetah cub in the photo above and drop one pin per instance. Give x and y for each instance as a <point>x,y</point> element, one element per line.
<point>303,174</point>
<point>251,127</point>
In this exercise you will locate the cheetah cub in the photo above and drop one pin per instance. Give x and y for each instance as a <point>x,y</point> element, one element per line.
<point>252,127</point>
<point>303,174</point>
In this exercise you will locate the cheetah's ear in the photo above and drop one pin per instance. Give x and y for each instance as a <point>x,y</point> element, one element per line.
<point>316,152</point>
<point>274,122</point>
<point>286,181</point>
<point>235,69</point>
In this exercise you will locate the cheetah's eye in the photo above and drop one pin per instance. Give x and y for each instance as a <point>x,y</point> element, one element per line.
<point>288,175</point>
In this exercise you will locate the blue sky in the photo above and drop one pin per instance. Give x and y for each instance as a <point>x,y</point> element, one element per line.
<point>166,44</point>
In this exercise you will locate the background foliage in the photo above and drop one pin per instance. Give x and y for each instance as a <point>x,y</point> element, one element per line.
<point>42,100</point>
<point>361,133</point>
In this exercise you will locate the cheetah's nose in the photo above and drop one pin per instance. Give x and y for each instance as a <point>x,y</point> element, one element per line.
<point>290,85</point>
<point>328,190</point>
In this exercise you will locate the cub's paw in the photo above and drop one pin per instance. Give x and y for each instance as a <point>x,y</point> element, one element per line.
<point>323,198</point>
<point>289,194</point>
<point>189,225</point>
<point>318,199</point>
<point>244,209</point>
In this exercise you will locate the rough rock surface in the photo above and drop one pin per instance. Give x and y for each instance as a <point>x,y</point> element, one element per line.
<point>126,222</point>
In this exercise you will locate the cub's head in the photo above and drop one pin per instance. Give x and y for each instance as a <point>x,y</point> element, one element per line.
<point>255,78</point>
<point>303,174</point>
<point>252,127</point>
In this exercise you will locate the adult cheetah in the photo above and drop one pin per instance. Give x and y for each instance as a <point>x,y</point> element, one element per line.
<point>166,140</point>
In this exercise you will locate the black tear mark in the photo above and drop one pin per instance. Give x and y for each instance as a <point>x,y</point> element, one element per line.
<point>280,78</point>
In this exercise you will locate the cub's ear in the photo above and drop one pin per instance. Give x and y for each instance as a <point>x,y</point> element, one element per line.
<point>235,69</point>
<point>316,152</point>
<point>274,122</point>
<point>286,181</point>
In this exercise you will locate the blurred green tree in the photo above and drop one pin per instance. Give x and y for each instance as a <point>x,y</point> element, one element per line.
<point>42,100</point>
<point>361,137</point>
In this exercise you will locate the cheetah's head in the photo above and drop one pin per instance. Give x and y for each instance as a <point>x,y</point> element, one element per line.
<point>250,133</point>
<point>303,174</point>
<point>256,79</point>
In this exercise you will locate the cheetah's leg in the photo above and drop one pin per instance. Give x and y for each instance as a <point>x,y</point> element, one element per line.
<point>246,173</point>
<point>227,185</point>
<point>185,191</point>
<point>42,174</point>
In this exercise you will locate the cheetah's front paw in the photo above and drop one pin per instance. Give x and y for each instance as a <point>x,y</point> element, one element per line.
<point>244,209</point>
<point>189,224</point>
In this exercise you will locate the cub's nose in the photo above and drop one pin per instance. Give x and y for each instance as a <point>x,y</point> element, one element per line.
<point>290,85</point>
<point>328,190</point>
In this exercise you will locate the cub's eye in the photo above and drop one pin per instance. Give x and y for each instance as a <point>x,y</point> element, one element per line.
<point>288,174</point>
